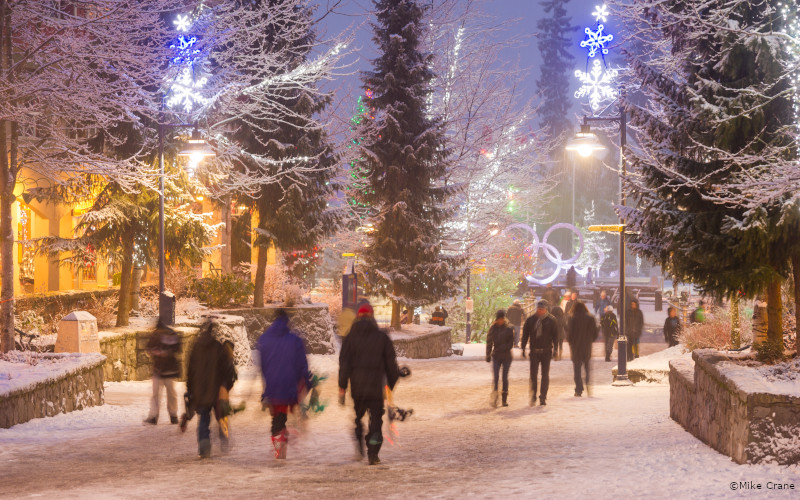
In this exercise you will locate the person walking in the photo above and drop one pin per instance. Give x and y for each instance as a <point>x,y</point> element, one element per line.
<point>210,367</point>
<point>515,315</point>
<point>499,342</point>
<point>634,324</point>
<point>572,278</point>
<point>610,327</point>
<point>570,305</point>
<point>367,362</point>
<point>284,369</point>
<point>163,346</point>
<point>561,323</point>
<point>582,332</point>
<point>601,304</point>
<point>699,314</point>
<point>437,318</point>
<point>542,331</point>
<point>551,295</point>
<point>672,327</point>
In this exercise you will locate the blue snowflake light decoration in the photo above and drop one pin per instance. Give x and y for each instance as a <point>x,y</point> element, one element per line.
<point>596,41</point>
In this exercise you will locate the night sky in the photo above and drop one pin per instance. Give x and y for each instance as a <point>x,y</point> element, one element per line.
<point>355,12</point>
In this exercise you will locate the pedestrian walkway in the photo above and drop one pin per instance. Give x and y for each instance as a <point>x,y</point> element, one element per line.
<point>617,443</point>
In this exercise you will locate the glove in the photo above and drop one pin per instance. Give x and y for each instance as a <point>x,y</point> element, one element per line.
<point>405,371</point>
<point>488,359</point>
<point>341,397</point>
<point>523,353</point>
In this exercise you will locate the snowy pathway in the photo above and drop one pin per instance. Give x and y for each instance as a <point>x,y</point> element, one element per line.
<point>619,443</point>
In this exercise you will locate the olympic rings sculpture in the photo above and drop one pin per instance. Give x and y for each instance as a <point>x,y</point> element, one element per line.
<point>551,252</point>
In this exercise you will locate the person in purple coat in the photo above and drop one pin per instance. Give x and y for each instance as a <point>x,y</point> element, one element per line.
<point>286,376</point>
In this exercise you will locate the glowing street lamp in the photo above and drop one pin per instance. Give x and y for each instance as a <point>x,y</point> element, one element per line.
<point>585,143</point>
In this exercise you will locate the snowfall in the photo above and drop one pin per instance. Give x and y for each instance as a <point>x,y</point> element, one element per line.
<point>617,443</point>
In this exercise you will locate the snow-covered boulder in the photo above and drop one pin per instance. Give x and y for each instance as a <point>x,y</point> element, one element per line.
<point>654,368</point>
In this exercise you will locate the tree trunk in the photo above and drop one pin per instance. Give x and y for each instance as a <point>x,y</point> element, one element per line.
<point>126,276</point>
<point>796,276</point>
<point>227,236</point>
<point>8,156</point>
<point>395,321</point>
<point>736,331</point>
<point>774,312</point>
<point>261,269</point>
<point>759,320</point>
<point>136,285</point>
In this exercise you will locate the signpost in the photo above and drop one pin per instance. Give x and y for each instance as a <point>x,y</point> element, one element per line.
<point>608,228</point>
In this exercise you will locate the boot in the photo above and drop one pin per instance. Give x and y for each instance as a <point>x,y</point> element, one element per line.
<point>204,448</point>
<point>505,399</point>
<point>532,402</point>
<point>493,399</point>
<point>359,443</point>
<point>280,442</point>
<point>542,401</point>
<point>373,447</point>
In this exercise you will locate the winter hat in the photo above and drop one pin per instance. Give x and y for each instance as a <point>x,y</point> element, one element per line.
<point>516,302</point>
<point>542,304</point>
<point>365,310</point>
<point>609,308</point>
<point>500,314</point>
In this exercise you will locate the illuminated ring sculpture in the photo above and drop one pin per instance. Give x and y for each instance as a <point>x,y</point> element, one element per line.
<point>550,252</point>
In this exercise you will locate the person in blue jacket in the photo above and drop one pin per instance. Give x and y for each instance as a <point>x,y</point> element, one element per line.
<point>286,376</point>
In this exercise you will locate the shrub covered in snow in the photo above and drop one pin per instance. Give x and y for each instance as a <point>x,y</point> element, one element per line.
<point>714,332</point>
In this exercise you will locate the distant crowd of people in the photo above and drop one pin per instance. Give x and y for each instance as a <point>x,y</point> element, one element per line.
<point>558,318</point>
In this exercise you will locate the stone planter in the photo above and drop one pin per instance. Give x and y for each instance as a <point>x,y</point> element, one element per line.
<point>69,390</point>
<point>731,410</point>
<point>422,341</point>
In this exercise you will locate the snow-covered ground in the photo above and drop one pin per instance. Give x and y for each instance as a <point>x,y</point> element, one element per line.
<point>618,443</point>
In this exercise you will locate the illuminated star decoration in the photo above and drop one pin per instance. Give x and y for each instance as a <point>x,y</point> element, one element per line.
<point>596,84</point>
<point>596,41</point>
<point>600,13</point>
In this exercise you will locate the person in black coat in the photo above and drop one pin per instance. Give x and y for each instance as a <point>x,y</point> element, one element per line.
<point>672,327</point>
<point>164,346</point>
<point>499,342</point>
<point>582,332</point>
<point>516,315</point>
<point>367,361</point>
<point>542,331</point>
<point>210,367</point>
<point>610,327</point>
<point>572,278</point>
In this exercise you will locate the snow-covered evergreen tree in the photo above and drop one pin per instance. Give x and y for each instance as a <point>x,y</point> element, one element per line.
<point>555,38</point>
<point>719,111</point>
<point>406,160</point>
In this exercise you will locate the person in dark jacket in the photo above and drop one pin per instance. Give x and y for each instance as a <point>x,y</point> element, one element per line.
<point>542,331</point>
<point>367,362</point>
<point>164,346</point>
<point>561,323</point>
<point>570,305</point>
<point>602,303</point>
<point>438,316</point>
<point>634,324</point>
<point>284,368</point>
<point>582,332</point>
<point>551,295</point>
<point>515,315</point>
<point>572,278</point>
<point>610,327</point>
<point>210,367</point>
<point>672,327</point>
<point>499,342</point>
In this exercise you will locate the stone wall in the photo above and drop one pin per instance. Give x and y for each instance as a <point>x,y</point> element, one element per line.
<point>721,411</point>
<point>311,321</point>
<point>126,348</point>
<point>74,391</point>
<point>436,344</point>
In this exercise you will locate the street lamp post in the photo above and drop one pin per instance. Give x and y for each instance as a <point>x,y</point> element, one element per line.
<point>197,149</point>
<point>585,144</point>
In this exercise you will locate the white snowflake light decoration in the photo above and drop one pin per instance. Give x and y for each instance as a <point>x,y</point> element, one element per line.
<point>596,41</point>
<point>182,23</point>
<point>600,13</point>
<point>596,84</point>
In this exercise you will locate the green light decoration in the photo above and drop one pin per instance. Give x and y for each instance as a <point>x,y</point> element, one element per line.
<point>359,173</point>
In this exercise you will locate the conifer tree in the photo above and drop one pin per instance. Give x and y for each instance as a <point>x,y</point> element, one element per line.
<point>406,160</point>
<point>720,111</point>
<point>555,37</point>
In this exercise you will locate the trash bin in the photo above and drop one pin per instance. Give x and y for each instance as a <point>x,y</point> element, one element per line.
<point>166,308</point>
